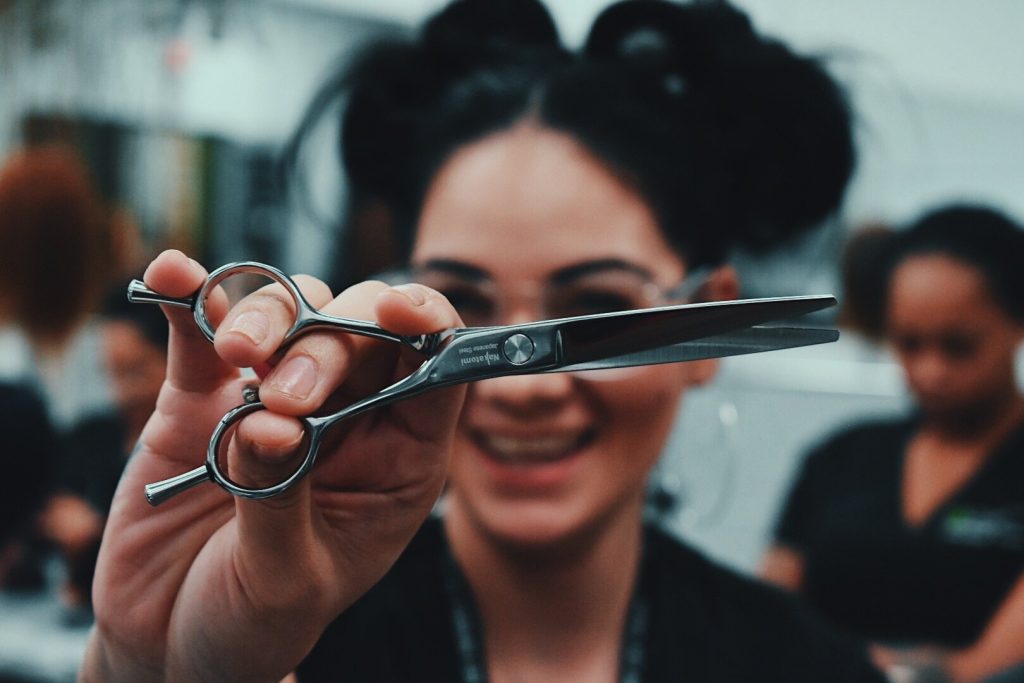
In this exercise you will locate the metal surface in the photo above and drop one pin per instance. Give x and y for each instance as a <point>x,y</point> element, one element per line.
<point>737,343</point>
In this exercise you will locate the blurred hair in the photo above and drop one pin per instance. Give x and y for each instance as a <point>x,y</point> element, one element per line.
<point>54,243</point>
<point>148,320</point>
<point>864,269</point>
<point>730,137</point>
<point>978,236</point>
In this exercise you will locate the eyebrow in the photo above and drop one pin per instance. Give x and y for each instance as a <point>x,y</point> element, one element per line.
<point>454,267</point>
<point>560,276</point>
<point>577,270</point>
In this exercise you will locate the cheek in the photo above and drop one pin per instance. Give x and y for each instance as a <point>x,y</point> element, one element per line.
<point>642,410</point>
<point>996,368</point>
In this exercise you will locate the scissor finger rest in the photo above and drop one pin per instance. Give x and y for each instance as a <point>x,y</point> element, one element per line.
<point>161,491</point>
<point>138,292</point>
<point>306,316</point>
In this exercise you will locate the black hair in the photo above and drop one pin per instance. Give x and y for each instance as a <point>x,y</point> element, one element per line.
<point>730,137</point>
<point>978,236</point>
<point>864,270</point>
<point>148,320</point>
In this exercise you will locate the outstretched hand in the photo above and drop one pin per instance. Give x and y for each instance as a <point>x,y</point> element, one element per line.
<point>211,587</point>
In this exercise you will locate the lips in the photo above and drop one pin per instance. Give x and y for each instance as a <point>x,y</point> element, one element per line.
<point>531,449</point>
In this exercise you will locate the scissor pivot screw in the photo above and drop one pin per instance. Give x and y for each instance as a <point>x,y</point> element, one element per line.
<point>251,393</point>
<point>518,349</point>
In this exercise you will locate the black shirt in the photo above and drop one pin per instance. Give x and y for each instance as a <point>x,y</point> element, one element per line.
<point>94,459</point>
<point>704,624</point>
<point>866,570</point>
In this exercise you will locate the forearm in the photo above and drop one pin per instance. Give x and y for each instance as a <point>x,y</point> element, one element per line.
<point>1001,645</point>
<point>782,566</point>
<point>975,664</point>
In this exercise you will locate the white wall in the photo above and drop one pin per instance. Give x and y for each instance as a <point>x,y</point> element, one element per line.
<point>147,62</point>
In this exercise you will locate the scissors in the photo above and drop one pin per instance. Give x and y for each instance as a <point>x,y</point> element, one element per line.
<point>647,336</point>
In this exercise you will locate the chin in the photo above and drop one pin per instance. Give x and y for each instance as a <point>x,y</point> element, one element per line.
<point>530,528</point>
<point>544,531</point>
<point>544,495</point>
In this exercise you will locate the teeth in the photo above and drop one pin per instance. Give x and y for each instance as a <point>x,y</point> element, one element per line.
<point>531,449</point>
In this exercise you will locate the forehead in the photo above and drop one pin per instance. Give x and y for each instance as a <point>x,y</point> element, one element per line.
<point>534,199</point>
<point>937,290</point>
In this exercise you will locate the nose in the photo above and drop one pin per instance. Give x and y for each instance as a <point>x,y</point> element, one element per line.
<point>525,394</point>
<point>928,371</point>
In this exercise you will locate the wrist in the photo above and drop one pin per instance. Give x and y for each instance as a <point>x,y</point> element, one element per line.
<point>106,663</point>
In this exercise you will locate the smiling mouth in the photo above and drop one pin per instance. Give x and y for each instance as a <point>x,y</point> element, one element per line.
<point>517,450</point>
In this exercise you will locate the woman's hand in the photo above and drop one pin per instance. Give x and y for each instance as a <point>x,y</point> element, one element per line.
<point>211,587</point>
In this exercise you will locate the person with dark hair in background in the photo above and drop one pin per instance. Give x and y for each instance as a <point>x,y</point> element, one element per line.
<point>54,243</point>
<point>524,181</point>
<point>134,354</point>
<point>911,532</point>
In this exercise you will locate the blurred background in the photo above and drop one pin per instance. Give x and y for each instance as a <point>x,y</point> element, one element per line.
<point>179,109</point>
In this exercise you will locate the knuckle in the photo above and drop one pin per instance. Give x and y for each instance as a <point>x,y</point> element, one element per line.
<point>275,300</point>
<point>316,291</point>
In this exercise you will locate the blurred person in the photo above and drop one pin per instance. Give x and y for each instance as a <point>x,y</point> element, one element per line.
<point>28,454</point>
<point>525,182</point>
<point>134,350</point>
<point>911,532</point>
<point>53,246</point>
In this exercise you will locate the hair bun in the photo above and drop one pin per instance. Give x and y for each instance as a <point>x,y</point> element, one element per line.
<point>679,36</point>
<point>494,23</point>
<point>784,149</point>
<point>394,85</point>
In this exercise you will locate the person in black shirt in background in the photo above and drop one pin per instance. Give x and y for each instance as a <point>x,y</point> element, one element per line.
<point>525,182</point>
<point>134,356</point>
<point>55,247</point>
<point>911,532</point>
<point>28,456</point>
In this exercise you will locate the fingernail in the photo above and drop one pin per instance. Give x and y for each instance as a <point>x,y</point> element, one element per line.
<point>413,293</point>
<point>296,377</point>
<point>252,324</point>
<point>278,452</point>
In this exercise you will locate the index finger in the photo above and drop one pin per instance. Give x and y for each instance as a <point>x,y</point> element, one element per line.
<point>414,309</point>
<point>192,363</point>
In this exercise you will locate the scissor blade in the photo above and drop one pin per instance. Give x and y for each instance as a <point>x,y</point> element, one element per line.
<point>595,338</point>
<point>736,343</point>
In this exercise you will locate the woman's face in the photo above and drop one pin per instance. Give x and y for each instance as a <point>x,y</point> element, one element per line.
<point>955,344</point>
<point>136,368</point>
<point>541,458</point>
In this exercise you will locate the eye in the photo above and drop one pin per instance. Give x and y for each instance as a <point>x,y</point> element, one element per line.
<point>592,302</point>
<point>906,344</point>
<point>959,346</point>
<point>473,306</point>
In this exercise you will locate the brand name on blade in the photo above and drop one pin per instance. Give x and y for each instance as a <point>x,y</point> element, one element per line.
<point>482,353</point>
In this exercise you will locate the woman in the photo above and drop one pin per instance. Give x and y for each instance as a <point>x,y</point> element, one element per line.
<point>525,182</point>
<point>54,247</point>
<point>134,355</point>
<point>911,533</point>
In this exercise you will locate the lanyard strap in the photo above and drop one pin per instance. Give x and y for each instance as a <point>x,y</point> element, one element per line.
<point>469,641</point>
